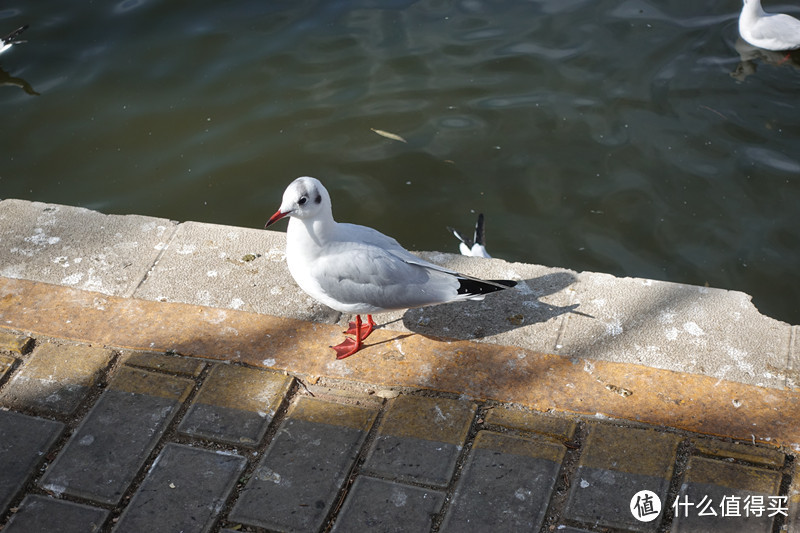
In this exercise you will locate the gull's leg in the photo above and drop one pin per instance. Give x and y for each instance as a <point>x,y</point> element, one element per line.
<point>366,329</point>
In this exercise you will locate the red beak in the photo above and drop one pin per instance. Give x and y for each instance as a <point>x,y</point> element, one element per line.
<point>274,218</point>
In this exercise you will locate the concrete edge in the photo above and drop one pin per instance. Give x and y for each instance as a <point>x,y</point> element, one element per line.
<point>540,381</point>
<point>581,315</point>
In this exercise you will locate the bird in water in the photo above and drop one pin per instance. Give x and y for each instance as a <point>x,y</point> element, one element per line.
<point>356,269</point>
<point>476,246</point>
<point>770,31</point>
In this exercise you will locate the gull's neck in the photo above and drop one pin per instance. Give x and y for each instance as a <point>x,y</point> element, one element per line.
<point>752,9</point>
<point>319,230</point>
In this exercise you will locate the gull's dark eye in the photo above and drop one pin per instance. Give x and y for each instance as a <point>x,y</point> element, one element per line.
<point>302,200</point>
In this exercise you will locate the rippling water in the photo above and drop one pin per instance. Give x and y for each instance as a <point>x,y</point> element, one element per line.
<point>618,136</point>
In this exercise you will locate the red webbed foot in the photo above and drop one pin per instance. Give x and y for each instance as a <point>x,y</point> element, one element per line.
<point>347,348</point>
<point>350,346</point>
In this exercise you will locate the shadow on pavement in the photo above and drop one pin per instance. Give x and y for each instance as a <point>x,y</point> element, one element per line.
<point>497,313</point>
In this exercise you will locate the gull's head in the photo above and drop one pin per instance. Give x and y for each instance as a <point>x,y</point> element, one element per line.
<point>304,198</point>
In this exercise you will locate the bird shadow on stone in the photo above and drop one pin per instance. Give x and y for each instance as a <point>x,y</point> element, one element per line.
<point>498,313</point>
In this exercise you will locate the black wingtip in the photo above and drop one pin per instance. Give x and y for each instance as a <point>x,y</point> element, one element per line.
<point>11,37</point>
<point>476,287</point>
<point>480,232</point>
<point>458,235</point>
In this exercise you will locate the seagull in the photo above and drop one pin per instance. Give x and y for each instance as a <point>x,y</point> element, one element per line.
<point>475,247</point>
<point>356,269</point>
<point>11,39</point>
<point>766,30</point>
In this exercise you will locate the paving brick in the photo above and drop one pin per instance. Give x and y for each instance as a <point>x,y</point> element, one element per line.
<point>331,392</point>
<point>513,418</point>
<point>616,463</point>
<point>505,485</point>
<point>420,438</point>
<point>115,438</point>
<point>15,343</point>
<point>709,482</point>
<point>186,366</point>
<point>743,452</point>
<point>185,490</point>
<point>56,378</point>
<point>304,467</point>
<point>235,404</point>
<point>137,381</point>
<point>24,440</point>
<point>39,514</point>
<point>380,505</point>
<point>6,362</point>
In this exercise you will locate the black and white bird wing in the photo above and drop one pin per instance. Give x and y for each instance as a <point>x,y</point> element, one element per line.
<point>11,38</point>
<point>376,279</point>
<point>381,275</point>
<point>475,246</point>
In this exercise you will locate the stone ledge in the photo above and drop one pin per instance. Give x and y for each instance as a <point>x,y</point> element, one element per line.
<point>700,330</point>
<point>536,380</point>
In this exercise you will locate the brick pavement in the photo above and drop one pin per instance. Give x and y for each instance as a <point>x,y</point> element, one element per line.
<point>104,439</point>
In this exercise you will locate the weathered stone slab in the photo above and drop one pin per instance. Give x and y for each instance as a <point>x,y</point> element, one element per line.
<point>185,490</point>
<point>14,343</point>
<point>233,268</point>
<point>616,464</point>
<point>528,316</point>
<point>722,496</point>
<point>50,243</point>
<point>106,451</point>
<point>506,485</point>
<point>186,366</point>
<point>56,378</point>
<point>685,328</point>
<point>420,438</point>
<point>235,404</point>
<point>304,467</point>
<point>6,362</point>
<point>515,418</point>
<point>24,440</point>
<point>379,505</point>
<point>40,514</point>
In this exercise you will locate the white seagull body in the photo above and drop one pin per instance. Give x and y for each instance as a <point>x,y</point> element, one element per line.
<point>475,247</point>
<point>11,39</point>
<point>766,30</point>
<point>356,269</point>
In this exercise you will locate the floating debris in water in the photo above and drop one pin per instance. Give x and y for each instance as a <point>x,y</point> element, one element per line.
<point>389,135</point>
